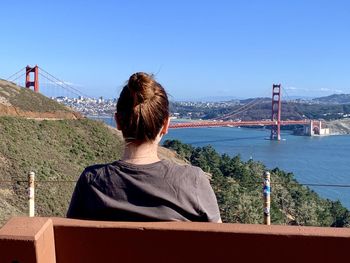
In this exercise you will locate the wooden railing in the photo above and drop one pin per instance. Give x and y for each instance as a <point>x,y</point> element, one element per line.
<point>46,240</point>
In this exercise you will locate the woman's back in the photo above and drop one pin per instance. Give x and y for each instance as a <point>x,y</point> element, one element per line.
<point>161,191</point>
<point>140,186</point>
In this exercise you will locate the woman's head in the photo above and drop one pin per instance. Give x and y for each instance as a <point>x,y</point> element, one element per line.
<point>142,109</point>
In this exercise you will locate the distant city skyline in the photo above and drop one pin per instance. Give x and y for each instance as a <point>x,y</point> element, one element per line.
<point>196,49</point>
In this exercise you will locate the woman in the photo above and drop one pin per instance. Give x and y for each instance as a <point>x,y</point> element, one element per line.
<point>140,186</point>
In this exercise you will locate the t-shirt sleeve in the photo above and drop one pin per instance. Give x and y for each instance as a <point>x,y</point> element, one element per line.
<point>76,206</point>
<point>207,202</point>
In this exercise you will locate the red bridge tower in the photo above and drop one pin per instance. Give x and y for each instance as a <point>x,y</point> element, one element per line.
<point>34,83</point>
<point>276,112</point>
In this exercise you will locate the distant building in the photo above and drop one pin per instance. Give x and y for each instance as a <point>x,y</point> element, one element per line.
<point>315,128</point>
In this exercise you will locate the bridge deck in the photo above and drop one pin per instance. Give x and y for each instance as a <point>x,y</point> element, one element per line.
<point>235,123</point>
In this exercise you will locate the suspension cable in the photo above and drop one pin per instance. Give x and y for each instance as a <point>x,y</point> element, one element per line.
<point>64,83</point>
<point>59,84</point>
<point>242,109</point>
<point>15,74</point>
<point>26,72</point>
<point>301,116</point>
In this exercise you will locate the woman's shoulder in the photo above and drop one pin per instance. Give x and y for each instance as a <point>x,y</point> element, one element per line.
<point>96,170</point>
<point>186,170</point>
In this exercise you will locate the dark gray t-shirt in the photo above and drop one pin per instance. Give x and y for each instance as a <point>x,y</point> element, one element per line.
<point>161,191</point>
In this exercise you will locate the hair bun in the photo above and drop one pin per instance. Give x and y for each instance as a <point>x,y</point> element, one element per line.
<point>142,108</point>
<point>141,86</point>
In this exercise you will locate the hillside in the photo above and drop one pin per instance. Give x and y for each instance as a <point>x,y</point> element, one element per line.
<point>339,127</point>
<point>18,101</point>
<point>334,99</point>
<point>261,109</point>
<point>55,151</point>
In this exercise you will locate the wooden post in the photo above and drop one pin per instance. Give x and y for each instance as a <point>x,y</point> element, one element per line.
<point>266,193</point>
<point>31,177</point>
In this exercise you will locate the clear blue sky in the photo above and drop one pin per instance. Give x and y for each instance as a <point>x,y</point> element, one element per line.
<point>195,48</point>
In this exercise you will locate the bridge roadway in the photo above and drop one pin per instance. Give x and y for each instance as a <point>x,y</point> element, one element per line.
<point>235,123</point>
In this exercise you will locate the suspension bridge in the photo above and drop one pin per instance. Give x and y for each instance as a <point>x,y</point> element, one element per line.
<point>28,77</point>
<point>312,127</point>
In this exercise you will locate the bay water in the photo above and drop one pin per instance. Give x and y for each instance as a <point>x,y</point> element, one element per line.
<point>312,160</point>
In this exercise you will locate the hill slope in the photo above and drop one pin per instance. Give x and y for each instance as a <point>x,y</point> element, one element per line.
<point>339,127</point>
<point>334,99</point>
<point>55,151</point>
<point>18,101</point>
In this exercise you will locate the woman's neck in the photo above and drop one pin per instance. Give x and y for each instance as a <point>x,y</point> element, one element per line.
<point>144,153</point>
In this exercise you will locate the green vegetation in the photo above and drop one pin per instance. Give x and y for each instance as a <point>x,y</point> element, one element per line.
<point>238,187</point>
<point>55,151</point>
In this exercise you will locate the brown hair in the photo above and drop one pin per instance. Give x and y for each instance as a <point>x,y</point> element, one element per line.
<point>142,108</point>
